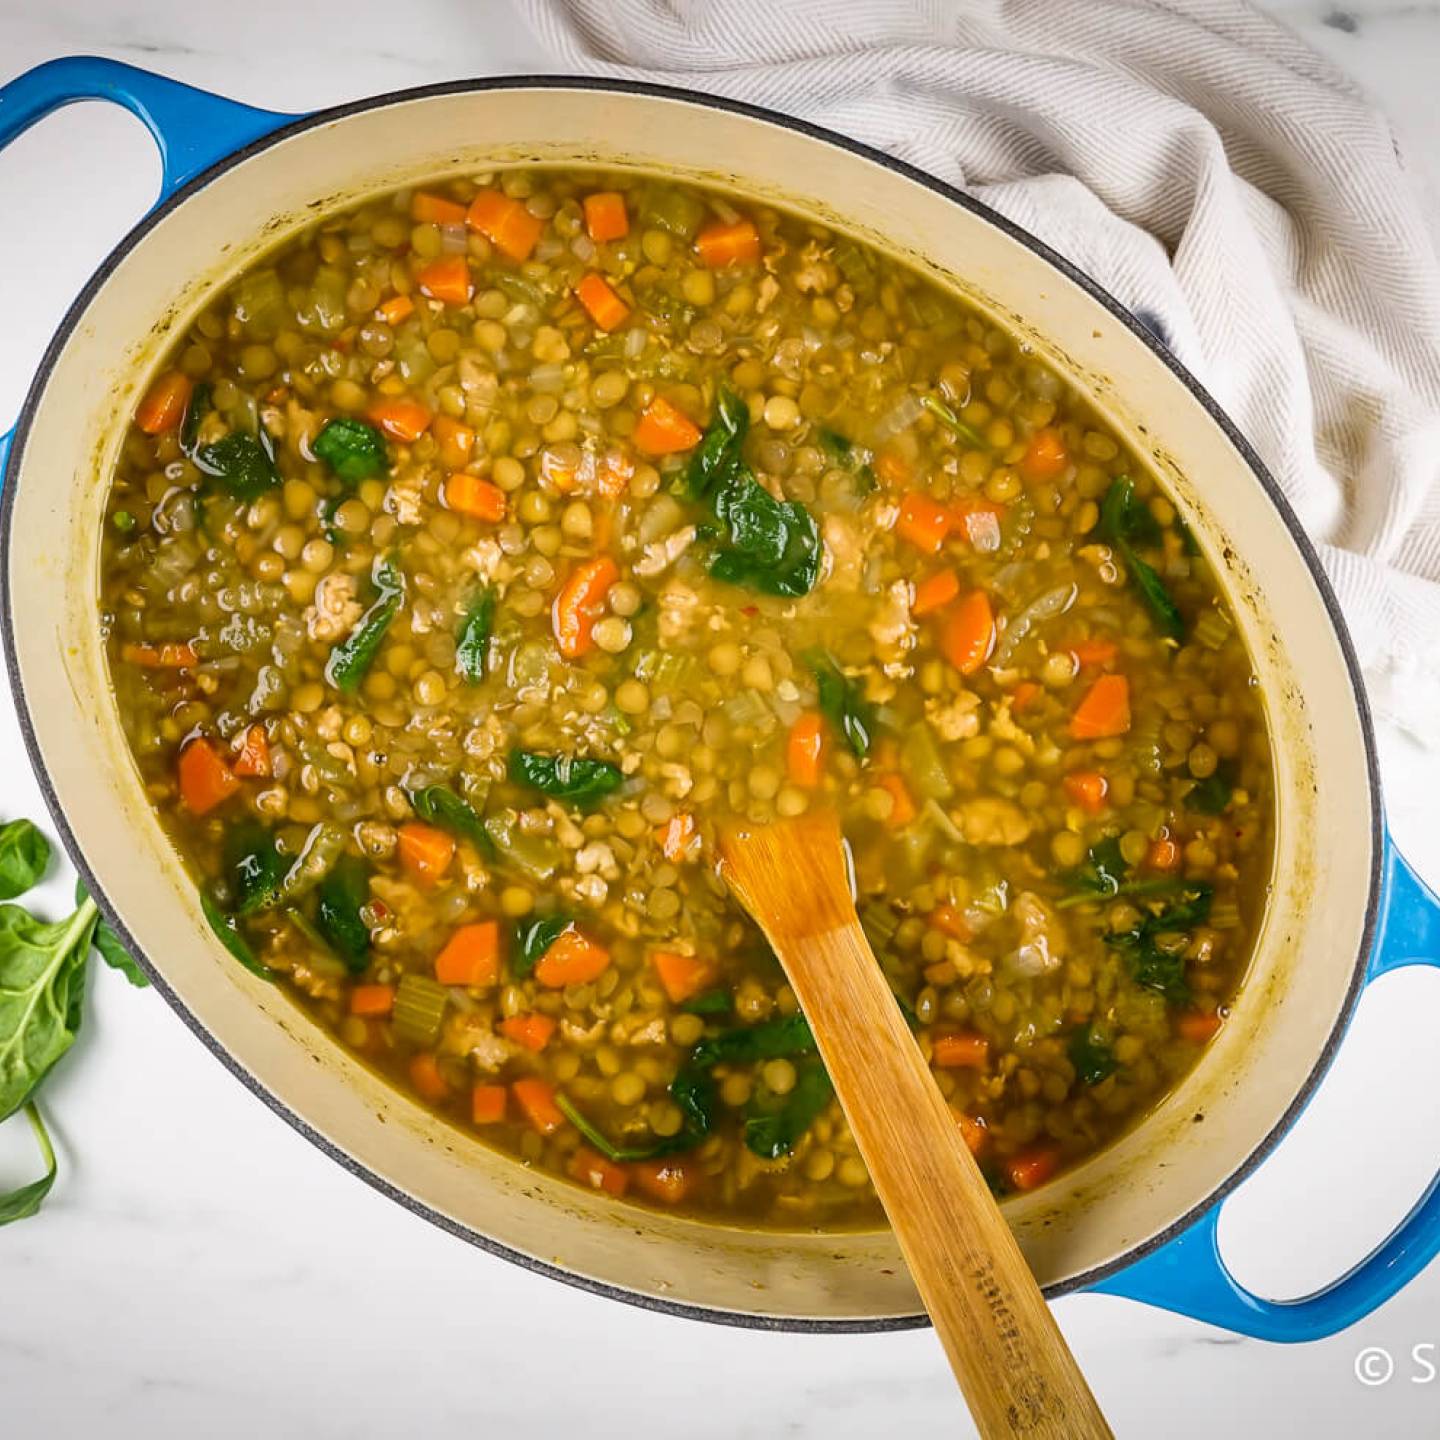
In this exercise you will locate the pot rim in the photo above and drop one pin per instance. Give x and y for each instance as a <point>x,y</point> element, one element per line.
<point>606,84</point>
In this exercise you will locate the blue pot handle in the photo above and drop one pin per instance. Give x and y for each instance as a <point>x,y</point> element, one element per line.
<point>193,128</point>
<point>1188,1274</point>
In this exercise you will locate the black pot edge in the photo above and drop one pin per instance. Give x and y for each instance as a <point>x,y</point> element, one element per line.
<point>991,217</point>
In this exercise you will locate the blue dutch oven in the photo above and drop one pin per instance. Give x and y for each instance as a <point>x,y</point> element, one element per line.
<point>1140,1219</point>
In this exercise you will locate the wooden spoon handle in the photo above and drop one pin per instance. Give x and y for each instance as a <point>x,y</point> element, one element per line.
<point>1008,1354</point>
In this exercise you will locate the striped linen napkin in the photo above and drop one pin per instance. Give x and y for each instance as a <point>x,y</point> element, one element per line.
<point>1207,168</point>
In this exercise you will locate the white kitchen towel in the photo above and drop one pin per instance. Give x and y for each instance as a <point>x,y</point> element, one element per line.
<point>1207,168</point>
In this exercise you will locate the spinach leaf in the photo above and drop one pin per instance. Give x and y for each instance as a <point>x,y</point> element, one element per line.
<point>782,1038</point>
<point>772,1130</point>
<point>243,464</point>
<point>24,854</point>
<point>842,702</point>
<point>340,897</point>
<point>774,545</point>
<point>22,1203</point>
<point>472,645</point>
<point>770,545</point>
<point>441,806</point>
<point>112,952</point>
<point>228,933</point>
<point>693,1092</point>
<point>708,1002</point>
<point>1155,946</point>
<point>953,423</point>
<point>353,656</point>
<point>202,402</point>
<point>1103,877</point>
<point>1212,795</point>
<point>718,453</point>
<point>352,449</point>
<point>1090,1053</point>
<point>1124,523</point>
<point>533,937</point>
<point>42,988</point>
<point>849,456</point>
<point>572,778</point>
<point>1104,868</point>
<point>254,867</point>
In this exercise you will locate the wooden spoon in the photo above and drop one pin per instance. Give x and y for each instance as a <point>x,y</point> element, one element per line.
<point>1013,1364</point>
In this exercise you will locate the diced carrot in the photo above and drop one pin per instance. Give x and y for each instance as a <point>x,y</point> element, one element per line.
<point>1023,696</point>
<point>935,591</point>
<point>167,656</point>
<point>427,209</point>
<point>668,1180</point>
<point>728,242</point>
<point>506,223</point>
<point>254,757</point>
<point>205,779</point>
<point>805,750</point>
<point>1164,854</point>
<point>456,441</point>
<point>400,419</point>
<point>425,1076</point>
<point>424,851</point>
<point>163,407</point>
<point>902,810</point>
<point>973,1131</point>
<point>470,495</point>
<point>949,921</point>
<point>1197,1026</point>
<point>968,634</point>
<point>372,1000</point>
<point>613,473</point>
<point>1088,789</point>
<point>682,976</point>
<point>602,304</point>
<point>676,836</point>
<point>1095,651</point>
<point>961,1050</point>
<point>1104,711</point>
<point>663,430</point>
<point>471,955</point>
<point>892,468</point>
<point>605,216</point>
<point>572,959</point>
<point>1029,1168</point>
<point>532,1031</point>
<point>1045,456</point>
<point>923,522</point>
<point>536,1099</point>
<point>447,279</point>
<point>487,1104</point>
<point>395,309</point>
<point>598,1173</point>
<point>580,601</point>
<point>979,521</point>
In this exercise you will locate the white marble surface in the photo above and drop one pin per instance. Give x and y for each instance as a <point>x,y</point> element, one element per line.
<point>201,1270</point>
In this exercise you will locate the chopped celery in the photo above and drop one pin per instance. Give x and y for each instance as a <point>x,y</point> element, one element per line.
<point>260,306</point>
<point>1212,629</point>
<point>855,265</point>
<point>879,922</point>
<point>419,1009</point>
<point>666,208</point>
<point>923,765</point>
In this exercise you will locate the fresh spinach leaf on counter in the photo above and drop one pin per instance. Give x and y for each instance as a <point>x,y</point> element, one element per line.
<point>26,1200</point>
<point>107,943</point>
<point>24,856</point>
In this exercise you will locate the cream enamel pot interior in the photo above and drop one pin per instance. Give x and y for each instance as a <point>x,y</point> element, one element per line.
<point>1154,1193</point>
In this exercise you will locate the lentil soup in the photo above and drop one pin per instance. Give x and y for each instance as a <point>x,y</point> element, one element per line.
<point>481,548</point>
